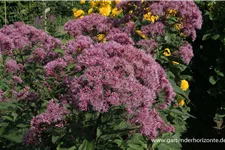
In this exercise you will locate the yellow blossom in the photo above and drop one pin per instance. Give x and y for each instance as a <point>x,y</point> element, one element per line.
<point>172,12</point>
<point>167,52</point>
<point>82,1</point>
<point>175,63</point>
<point>78,13</point>
<point>150,17</point>
<point>117,1</point>
<point>130,12</point>
<point>181,102</point>
<point>184,85</point>
<point>182,34</point>
<point>104,3</point>
<point>154,18</point>
<point>101,37</point>
<point>116,12</point>
<point>79,50</point>
<point>105,11</point>
<point>94,3</point>
<point>140,34</point>
<point>147,16</point>
<point>90,11</point>
<point>178,26</point>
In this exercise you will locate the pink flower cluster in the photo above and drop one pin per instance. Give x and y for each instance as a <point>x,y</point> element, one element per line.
<point>54,116</point>
<point>115,74</point>
<point>28,40</point>
<point>23,47</point>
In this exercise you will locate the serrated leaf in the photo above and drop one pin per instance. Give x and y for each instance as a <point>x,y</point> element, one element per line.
<point>86,145</point>
<point>137,142</point>
<point>181,113</point>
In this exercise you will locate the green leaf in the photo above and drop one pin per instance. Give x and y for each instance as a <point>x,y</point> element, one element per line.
<point>215,37</point>
<point>86,145</point>
<point>8,118</point>
<point>206,36</point>
<point>55,138</point>
<point>212,80</point>
<point>181,113</point>
<point>14,137</point>
<point>137,142</point>
<point>22,125</point>
<point>219,72</point>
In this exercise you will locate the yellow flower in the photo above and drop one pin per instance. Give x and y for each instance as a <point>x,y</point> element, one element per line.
<point>154,18</point>
<point>74,10</point>
<point>105,11</point>
<point>172,12</point>
<point>147,16</point>
<point>104,3</point>
<point>167,52</point>
<point>175,63</point>
<point>130,12</point>
<point>140,34</point>
<point>182,34</point>
<point>101,37</point>
<point>116,12</point>
<point>82,1</point>
<point>181,102</point>
<point>150,17</point>
<point>117,1</point>
<point>94,3</point>
<point>78,13</point>
<point>90,11</point>
<point>178,26</point>
<point>184,85</point>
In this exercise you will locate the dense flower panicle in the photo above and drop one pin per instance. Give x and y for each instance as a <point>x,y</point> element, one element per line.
<point>78,44</point>
<point>39,54</point>
<point>51,67</point>
<point>6,44</point>
<point>153,30</point>
<point>117,35</point>
<point>186,53</point>
<point>12,66</point>
<point>148,45</point>
<point>117,74</point>
<point>19,36</point>
<point>29,137</point>
<point>24,47</point>
<point>151,122</point>
<point>129,27</point>
<point>17,79</point>
<point>2,96</point>
<point>23,94</point>
<point>54,115</point>
<point>87,24</point>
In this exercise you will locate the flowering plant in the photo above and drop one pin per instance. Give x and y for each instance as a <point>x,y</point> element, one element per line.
<point>113,84</point>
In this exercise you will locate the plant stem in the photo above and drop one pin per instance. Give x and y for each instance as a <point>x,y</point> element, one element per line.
<point>5,18</point>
